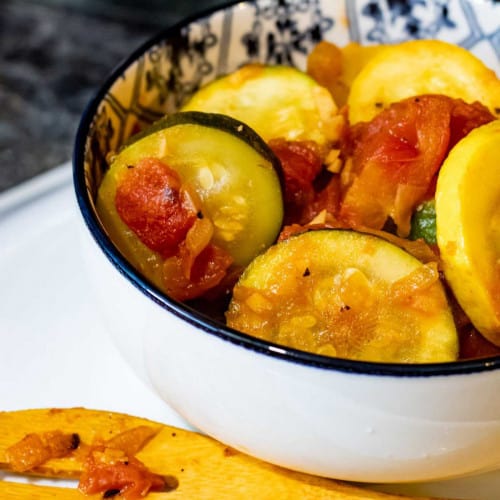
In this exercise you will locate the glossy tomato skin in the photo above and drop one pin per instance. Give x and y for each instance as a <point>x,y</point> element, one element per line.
<point>396,156</point>
<point>149,199</point>
<point>466,117</point>
<point>207,270</point>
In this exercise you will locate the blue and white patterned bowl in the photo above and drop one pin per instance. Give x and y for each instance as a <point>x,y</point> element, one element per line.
<point>351,420</point>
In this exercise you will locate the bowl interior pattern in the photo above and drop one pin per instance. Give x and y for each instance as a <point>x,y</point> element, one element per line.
<point>161,75</point>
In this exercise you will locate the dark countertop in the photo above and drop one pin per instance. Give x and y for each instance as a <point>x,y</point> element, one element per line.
<point>53,56</point>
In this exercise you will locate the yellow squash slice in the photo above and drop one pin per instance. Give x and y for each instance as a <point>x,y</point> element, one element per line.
<point>276,101</point>
<point>346,294</point>
<point>421,67</point>
<point>468,226</point>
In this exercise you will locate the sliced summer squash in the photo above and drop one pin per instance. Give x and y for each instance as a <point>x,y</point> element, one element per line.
<point>232,171</point>
<point>423,222</point>
<point>421,67</point>
<point>276,101</point>
<point>346,294</point>
<point>468,226</point>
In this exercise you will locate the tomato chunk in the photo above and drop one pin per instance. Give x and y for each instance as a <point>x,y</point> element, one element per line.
<point>151,201</point>
<point>396,156</point>
<point>187,277</point>
<point>394,159</point>
<point>106,470</point>
<point>466,117</point>
<point>301,163</point>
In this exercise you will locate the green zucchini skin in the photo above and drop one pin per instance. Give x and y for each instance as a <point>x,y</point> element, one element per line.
<point>222,122</point>
<point>423,223</point>
<point>244,189</point>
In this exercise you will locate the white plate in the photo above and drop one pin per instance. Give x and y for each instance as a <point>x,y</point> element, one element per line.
<point>55,350</point>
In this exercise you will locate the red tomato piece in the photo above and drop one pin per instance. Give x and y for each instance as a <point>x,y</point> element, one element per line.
<point>466,117</point>
<point>151,201</point>
<point>327,198</point>
<point>187,278</point>
<point>394,159</point>
<point>301,163</point>
<point>474,345</point>
<point>127,476</point>
<point>396,156</point>
<point>463,118</point>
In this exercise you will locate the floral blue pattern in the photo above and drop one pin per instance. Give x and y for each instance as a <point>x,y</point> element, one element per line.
<point>285,37</point>
<point>404,16</point>
<point>468,23</point>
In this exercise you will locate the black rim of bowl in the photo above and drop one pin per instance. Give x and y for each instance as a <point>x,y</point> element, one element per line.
<point>200,321</point>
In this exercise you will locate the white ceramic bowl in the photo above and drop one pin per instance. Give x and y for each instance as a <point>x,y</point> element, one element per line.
<point>350,420</point>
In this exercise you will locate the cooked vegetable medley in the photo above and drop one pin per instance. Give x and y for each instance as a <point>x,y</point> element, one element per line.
<point>192,199</point>
<point>351,210</point>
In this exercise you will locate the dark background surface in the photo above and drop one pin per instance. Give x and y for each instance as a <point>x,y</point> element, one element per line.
<point>53,56</point>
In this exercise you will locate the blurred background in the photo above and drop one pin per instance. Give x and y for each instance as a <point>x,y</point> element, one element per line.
<point>53,56</point>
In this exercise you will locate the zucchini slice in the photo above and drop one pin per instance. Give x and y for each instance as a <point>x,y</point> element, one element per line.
<point>276,101</point>
<point>233,173</point>
<point>346,294</point>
